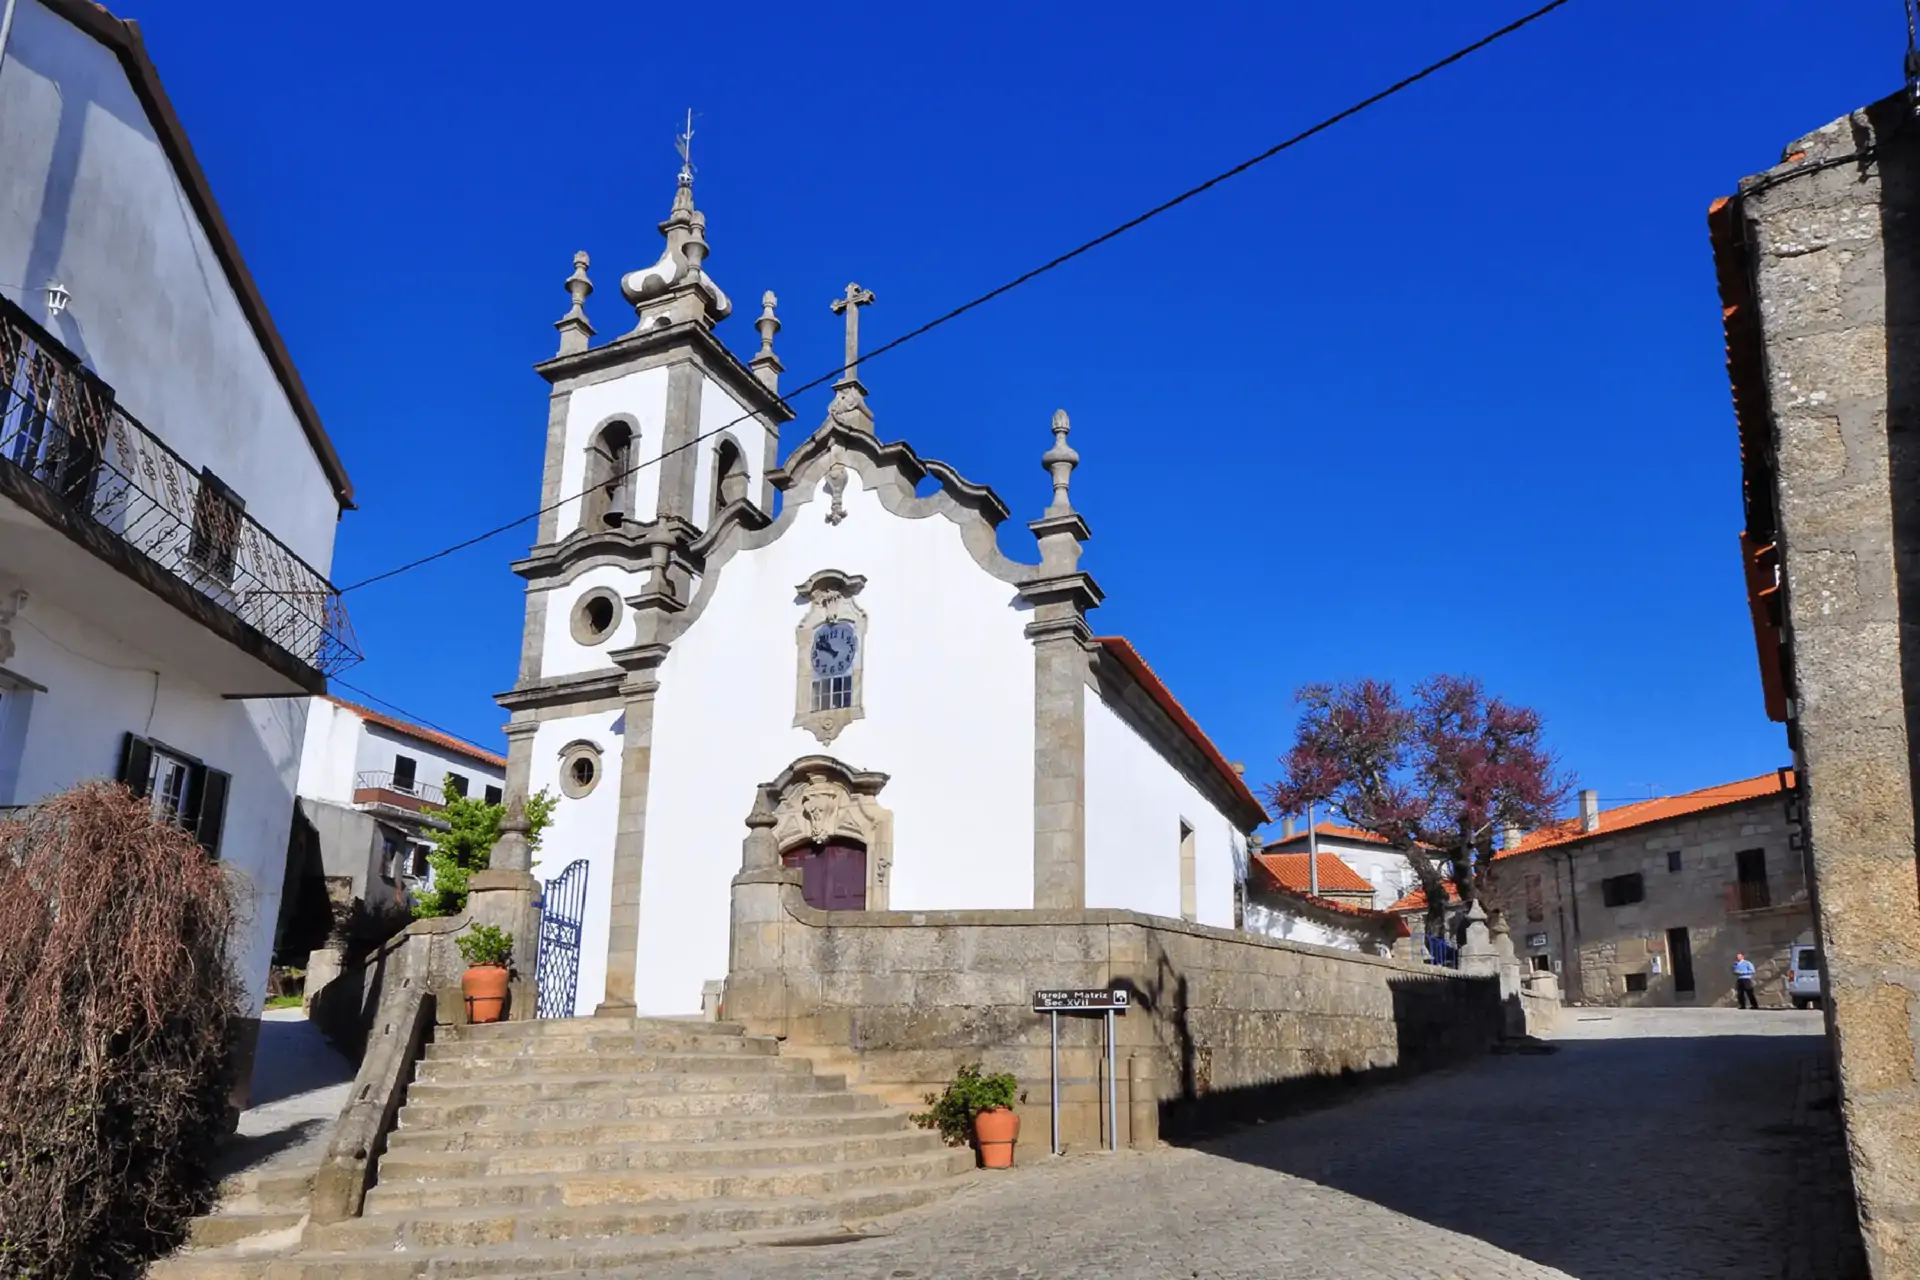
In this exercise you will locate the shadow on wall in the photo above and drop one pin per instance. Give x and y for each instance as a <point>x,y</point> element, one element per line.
<point>1899,196</point>
<point>1436,1022</point>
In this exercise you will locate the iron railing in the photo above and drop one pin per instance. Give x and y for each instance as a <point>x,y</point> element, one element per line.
<point>60,425</point>
<point>382,780</point>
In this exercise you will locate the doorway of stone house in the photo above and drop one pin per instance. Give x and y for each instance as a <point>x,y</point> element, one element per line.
<point>833,877</point>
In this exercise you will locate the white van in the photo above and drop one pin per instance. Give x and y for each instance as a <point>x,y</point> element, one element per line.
<point>1803,976</point>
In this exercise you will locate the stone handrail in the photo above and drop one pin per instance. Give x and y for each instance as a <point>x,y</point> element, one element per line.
<point>403,1027</point>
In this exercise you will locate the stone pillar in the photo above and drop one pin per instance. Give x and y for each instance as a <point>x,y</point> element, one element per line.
<point>680,466</point>
<point>1476,953</point>
<point>756,992</point>
<point>629,840</point>
<point>520,735</point>
<point>1060,595</point>
<point>506,895</point>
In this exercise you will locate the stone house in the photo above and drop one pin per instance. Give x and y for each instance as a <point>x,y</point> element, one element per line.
<point>1648,903</point>
<point>1818,264</point>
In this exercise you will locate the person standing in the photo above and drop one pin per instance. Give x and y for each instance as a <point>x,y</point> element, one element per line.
<point>1743,981</point>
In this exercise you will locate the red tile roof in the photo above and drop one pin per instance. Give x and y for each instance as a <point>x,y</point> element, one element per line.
<point>1330,830</point>
<point>1292,871</point>
<point>411,730</point>
<point>1254,812</point>
<point>1417,899</point>
<point>1660,809</point>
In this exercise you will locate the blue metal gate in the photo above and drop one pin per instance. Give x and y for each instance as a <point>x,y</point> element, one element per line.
<point>563,905</point>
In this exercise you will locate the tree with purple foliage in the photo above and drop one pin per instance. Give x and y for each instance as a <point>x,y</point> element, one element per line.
<point>1437,777</point>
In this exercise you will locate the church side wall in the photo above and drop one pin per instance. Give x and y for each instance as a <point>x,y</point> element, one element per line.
<point>560,653</point>
<point>947,695</point>
<point>1136,803</point>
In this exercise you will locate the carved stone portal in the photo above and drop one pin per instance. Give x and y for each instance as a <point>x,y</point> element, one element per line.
<point>819,801</point>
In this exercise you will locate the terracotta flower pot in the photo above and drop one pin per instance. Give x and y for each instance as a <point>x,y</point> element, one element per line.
<point>485,987</point>
<point>994,1131</point>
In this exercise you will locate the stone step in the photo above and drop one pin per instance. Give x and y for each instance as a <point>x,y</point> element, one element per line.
<point>588,1037</point>
<point>696,1129</point>
<point>548,1028</point>
<point>420,1165</point>
<point>627,1257</point>
<point>475,1066</point>
<point>634,1187</point>
<point>232,1226</point>
<point>500,1234</point>
<point>452,1113</point>
<point>543,1088</point>
<point>267,1188</point>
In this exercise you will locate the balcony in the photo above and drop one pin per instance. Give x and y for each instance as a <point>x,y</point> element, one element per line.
<point>107,494</point>
<point>379,787</point>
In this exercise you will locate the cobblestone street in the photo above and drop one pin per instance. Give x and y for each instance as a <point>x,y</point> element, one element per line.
<point>1654,1145</point>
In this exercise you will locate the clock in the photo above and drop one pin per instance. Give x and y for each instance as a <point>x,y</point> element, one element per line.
<point>834,644</point>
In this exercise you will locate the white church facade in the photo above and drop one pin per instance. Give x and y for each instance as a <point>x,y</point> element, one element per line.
<point>837,636</point>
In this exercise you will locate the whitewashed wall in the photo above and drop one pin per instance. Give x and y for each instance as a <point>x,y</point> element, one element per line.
<point>340,745</point>
<point>719,420</point>
<point>1270,922</point>
<point>584,828</point>
<point>561,654</point>
<point>640,397</point>
<point>1136,801</point>
<point>949,716</point>
<point>99,688</point>
<point>90,197</point>
<point>432,763</point>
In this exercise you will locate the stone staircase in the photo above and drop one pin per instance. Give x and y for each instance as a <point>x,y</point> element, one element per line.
<point>532,1148</point>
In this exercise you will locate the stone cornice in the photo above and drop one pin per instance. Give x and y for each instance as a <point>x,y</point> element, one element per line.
<point>627,546</point>
<point>1077,589</point>
<point>695,339</point>
<point>554,691</point>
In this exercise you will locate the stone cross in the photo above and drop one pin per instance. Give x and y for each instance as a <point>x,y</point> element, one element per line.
<point>855,298</point>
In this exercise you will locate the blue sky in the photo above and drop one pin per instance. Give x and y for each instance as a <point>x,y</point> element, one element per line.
<point>1440,390</point>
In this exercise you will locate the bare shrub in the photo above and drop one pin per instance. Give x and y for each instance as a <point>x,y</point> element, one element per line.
<point>117,995</point>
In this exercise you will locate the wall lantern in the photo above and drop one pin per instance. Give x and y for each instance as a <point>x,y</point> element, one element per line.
<point>57,297</point>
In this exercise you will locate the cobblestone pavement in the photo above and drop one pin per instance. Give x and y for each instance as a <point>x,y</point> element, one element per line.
<point>1652,1145</point>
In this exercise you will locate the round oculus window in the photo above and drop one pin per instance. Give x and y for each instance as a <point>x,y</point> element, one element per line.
<point>596,615</point>
<point>579,770</point>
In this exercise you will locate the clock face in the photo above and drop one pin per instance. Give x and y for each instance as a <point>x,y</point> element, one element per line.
<point>833,648</point>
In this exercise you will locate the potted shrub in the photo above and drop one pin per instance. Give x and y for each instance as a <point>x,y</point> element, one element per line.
<point>488,950</point>
<point>979,1107</point>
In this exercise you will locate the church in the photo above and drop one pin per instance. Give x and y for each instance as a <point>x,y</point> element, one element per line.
<point>837,636</point>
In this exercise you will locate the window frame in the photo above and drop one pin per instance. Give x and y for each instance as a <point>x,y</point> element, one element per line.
<point>214,549</point>
<point>1611,889</point>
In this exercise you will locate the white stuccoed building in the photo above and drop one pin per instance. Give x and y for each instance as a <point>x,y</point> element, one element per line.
<point>168,498</point>
<point>929,724</point>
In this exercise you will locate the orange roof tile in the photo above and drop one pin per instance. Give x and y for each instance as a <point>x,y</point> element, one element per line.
<point>1330,830</point>
<point>1292,871</point>
<point>1136,666</point>
<point>1417,899</point>
<point>434,736</point>
<point>1660,809</point>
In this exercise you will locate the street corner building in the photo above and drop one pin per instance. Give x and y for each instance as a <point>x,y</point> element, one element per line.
<point>923,722</point>
<point>1818,264</point>
<point>168,497</point>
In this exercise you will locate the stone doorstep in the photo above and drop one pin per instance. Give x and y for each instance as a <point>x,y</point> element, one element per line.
<point>476,1228</point>
<point>544,1028</point>
<point>590,1040</point>
<point>630,1187</point>
<point>695,1130</point>
<point>685,1105</point>
<point>217,1229</point>
<point>422,1164</point>
<point>512,1067</point>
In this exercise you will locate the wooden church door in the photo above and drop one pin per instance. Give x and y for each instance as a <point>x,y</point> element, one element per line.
<point>832,877</point>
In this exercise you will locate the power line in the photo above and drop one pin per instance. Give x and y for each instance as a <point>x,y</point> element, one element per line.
<point>1024,278</point>
<point>413,716</point>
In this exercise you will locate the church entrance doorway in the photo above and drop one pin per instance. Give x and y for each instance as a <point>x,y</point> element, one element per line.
<point>833,877</point>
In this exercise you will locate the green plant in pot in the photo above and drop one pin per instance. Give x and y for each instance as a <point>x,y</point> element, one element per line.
<point>977,1107</point>
<point>488,951</point>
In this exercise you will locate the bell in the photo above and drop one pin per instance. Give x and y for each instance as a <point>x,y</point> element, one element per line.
<point>616,513</point>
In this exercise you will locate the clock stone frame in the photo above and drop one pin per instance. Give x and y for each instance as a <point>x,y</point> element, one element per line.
<point>828,597</point>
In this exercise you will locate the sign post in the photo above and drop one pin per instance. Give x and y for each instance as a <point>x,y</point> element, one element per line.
<point>1106,1001</point>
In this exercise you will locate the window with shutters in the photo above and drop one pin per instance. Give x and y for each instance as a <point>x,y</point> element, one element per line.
<point>216,526</point>
<point>180,787</point>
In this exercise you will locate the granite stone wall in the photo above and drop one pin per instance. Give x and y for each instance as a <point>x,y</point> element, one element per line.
<point>1825,257</point>
<point>1223,1026</point>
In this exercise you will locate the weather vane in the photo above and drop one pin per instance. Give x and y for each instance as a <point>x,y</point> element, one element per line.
<point>683,143</point>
